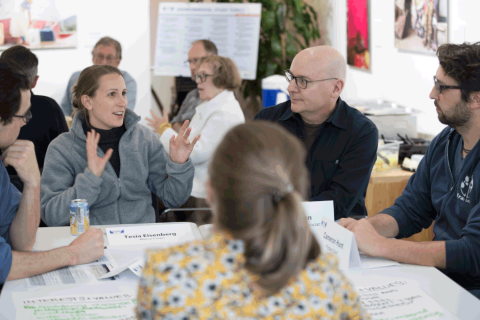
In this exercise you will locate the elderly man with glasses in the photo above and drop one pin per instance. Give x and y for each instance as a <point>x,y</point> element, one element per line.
<point>199,49</point>
<point>340,141</point>
<point>444,189</point>
<point>106,51</point>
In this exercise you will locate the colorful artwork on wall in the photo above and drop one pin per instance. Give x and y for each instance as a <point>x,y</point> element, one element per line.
<point>38,24</point>
<point>421,25</point>
<point>358,35</point>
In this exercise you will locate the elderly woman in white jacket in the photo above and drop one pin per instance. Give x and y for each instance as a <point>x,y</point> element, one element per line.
<point>216,78</point>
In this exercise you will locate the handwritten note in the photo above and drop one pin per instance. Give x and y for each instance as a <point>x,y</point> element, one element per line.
<point>78,307</point>
<point>400,300</point>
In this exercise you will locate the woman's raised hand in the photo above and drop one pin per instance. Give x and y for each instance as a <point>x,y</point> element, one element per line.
<point>95,163</point>
<point>180,147</point>
<point>156,121</point>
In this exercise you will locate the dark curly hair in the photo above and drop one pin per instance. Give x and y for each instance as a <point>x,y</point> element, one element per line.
<point>461,62</point>
<point>12,79</point>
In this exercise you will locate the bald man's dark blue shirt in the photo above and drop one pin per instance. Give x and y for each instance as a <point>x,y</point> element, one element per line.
<point>341,158</point>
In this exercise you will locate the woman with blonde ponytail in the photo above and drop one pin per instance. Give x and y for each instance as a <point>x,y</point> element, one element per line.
<point>262,261</point>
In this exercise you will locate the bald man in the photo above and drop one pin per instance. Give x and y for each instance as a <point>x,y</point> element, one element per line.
<point>341,142</point>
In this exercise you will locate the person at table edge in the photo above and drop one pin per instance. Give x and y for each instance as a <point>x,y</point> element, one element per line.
<point>444,188</point>
<point>340,141</point>
<point>20,212</point>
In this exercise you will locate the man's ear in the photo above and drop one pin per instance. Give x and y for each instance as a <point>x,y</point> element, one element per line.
<point>34,84</point>
<point>338,88</point>
<point>87,102</point>
<point>475,100</point>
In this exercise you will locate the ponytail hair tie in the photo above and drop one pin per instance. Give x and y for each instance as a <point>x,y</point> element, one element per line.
<point>277,195</point>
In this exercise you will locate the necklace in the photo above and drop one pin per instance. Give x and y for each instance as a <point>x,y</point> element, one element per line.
<point>464,149</point>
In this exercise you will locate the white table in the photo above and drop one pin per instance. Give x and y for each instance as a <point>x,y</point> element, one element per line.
<point>447,293</point>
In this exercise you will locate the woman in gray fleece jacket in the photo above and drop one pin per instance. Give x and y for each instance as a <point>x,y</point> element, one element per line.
<point>116,168</point>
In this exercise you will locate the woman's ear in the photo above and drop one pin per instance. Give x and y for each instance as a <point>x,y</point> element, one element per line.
<point>87,102</point>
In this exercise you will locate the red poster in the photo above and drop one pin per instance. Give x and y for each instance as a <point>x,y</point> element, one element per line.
<point>358,40</point>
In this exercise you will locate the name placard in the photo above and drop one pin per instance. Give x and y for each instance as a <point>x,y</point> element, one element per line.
<point>339,241</point>
<point>159,234</point>
<point>316,210</point>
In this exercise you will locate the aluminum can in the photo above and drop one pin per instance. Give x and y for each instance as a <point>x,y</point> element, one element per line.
<point>79,216</point>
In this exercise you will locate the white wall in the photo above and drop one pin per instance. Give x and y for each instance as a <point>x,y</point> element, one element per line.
<point>405,78</point>
<point>124,20</point>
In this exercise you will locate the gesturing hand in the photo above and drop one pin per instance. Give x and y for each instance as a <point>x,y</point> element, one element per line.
<point>157,121</point>
<point>95,163</point>
<point>180,147</point>
<point>21,156</point>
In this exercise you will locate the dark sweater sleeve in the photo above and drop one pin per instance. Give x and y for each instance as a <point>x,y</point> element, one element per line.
<point>463,255</point>
<point>351,178</point>
<point>414,210</point>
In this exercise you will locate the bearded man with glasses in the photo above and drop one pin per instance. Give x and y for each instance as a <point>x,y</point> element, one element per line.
<point>340,141</point>
<point>444,188</point>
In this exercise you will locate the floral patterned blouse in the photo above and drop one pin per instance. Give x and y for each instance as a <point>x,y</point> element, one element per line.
<point>207,280</point>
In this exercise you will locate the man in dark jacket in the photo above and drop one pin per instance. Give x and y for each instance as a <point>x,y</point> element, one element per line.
<point>341,142</point>
<point>445,187</point>
<point>47,121</point>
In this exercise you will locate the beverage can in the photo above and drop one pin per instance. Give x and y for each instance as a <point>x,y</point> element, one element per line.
<point>79,216</point>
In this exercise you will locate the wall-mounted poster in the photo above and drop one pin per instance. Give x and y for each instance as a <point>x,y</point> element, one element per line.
<point>358,40</point>
<point>421,25</point>
<point>38,24</point>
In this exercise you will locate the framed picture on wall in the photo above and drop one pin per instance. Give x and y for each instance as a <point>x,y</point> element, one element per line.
<point>421,25</point>
<point>358,34</point>
<point>38,24</point>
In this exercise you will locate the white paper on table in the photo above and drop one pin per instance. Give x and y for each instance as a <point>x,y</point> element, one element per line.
<point>119,269</point>
<point>137,267</point>
<point>339,241</point>
<point>367,262</point>
<point>106,259</point>
<point>72,275</point>
<point>120,305</point>
<point>400,300</point>
<point>155,234</point>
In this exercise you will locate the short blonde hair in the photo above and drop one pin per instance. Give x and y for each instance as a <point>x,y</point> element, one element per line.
<point>226,73</point>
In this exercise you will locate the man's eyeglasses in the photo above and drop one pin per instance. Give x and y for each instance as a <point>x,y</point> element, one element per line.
<point>27,117</point>
<point>195,61</point>
<point>202,77</point>
<point>301,82</point>
<point>440,87</point>
<point>101,57</point>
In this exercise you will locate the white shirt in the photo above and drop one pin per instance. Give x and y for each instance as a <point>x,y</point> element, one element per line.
<point>212,120</point>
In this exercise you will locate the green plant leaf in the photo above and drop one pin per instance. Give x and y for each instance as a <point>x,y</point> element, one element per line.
<point>268,20</point>
<point>291,50</point>
<point>276,46</point>
<point>299,22</point>
<point>312,11</point>
<point>271,69</point>
<point>298,5</point>
<point>281,22</point>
